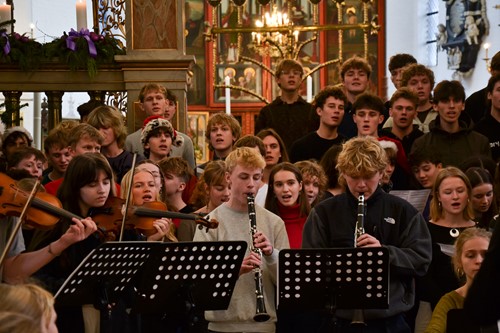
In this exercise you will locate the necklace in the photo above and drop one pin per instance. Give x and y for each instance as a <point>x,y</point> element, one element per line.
<point>454,232</point>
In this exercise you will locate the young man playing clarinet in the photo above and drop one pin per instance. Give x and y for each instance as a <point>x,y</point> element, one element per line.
<point>390,222</point>
<point>244,173</point>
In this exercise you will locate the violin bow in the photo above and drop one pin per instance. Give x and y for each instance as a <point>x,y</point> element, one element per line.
<point>200,220</point>
<point>127,200</point>
<point>19,222</point>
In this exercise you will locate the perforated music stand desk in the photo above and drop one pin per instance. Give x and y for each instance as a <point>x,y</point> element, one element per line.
<point>190,273</point>
<point>106,271</point>
<point>161,272</point>
<point>321,279</point>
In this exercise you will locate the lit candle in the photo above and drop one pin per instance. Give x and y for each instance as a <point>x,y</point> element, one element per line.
<point>227,81</point>
<point>309,89</point>
<point>486,47</point>
<point>32,27</point>
<point>5,15</point>
<point>81,15</point>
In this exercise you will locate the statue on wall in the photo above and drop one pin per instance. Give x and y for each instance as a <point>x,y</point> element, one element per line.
<point>461,37</point>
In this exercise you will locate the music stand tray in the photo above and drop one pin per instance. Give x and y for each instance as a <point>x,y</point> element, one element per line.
<point>343,278</point>
<point>188,274</point>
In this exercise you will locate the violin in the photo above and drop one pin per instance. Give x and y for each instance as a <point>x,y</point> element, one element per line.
<point>45,210</point>
<point>109,217</point>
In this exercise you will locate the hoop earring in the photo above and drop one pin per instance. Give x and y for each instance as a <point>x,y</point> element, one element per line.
<point>460,272</point>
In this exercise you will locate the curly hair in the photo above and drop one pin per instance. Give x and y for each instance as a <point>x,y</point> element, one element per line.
<point>414,70</point>
<point>330,91</point>
<point>310,169</point>
<point>361,157</point>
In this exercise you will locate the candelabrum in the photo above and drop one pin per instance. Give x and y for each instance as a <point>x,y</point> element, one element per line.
<point>280,33</point>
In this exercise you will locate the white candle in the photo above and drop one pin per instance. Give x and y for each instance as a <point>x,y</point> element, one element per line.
<point>81,15</point>
<point>5,15</point>
<point>309,87</point>
<point>486,47</point>
<point>227,82</point>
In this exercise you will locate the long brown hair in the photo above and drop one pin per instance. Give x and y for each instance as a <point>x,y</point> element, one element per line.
<point>270,132</point>
<point>82,170</point>
<point>272,201</point>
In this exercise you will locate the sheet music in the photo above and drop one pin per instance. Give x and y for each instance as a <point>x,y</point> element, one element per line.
<point>417,198</point>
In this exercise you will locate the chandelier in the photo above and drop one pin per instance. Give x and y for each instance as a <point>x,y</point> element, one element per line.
<point>277,44</point>
<point>277,34</point>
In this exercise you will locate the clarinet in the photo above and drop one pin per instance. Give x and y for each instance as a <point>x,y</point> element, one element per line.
<point>261,314</point>
<point>360,223</point>
<point>358,319</point>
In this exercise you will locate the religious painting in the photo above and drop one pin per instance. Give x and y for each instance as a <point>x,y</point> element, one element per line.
<point>196,129</point>
<point>246,76</point>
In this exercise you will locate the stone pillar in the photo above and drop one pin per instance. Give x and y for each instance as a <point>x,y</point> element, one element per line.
<point>156,53</point>
<point>54,101</point>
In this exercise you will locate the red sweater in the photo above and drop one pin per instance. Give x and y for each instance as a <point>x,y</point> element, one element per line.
<point>294,224</point>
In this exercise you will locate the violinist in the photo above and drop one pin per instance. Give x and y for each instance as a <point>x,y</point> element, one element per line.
<point>144,190</point>
<point>20,265</point>
<point>87,184</point>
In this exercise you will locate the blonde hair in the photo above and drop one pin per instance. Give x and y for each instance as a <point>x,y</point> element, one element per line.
<point>436,210</point>
<point>15,322</point>
<point>109,117</point>
<point>28,299</point>
<point>465,236</point>
<point>126,183</point>
<point>245,156</point>
<point>361,157</point>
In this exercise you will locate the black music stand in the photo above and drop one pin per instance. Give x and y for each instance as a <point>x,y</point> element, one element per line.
<point>200,273</point>
<point>104,274</point>
<point>173,278</point>
<point>330,279</point>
